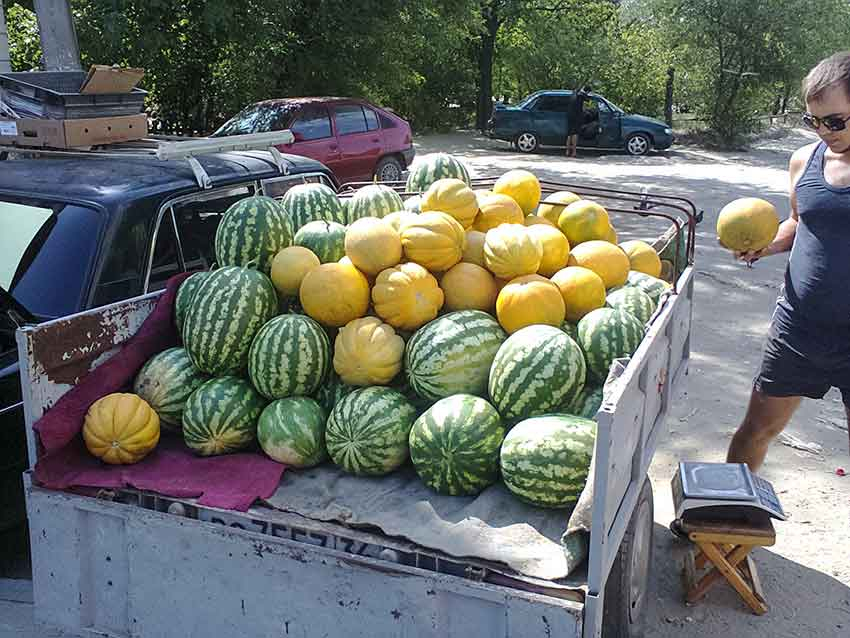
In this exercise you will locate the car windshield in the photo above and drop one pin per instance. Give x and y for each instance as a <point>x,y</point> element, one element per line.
<point>613,106</point>
<point>46,253</point>
<point>527,100</point>
<point>258,118</point>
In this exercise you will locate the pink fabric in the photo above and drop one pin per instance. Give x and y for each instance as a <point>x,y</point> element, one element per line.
<point>230,482</point>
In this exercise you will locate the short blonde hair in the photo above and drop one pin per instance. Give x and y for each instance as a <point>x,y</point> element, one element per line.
<point>833,70</point>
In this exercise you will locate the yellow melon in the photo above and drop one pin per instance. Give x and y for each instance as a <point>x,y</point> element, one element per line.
<point>435,241</point>
<point>747,224</point>
<point>529,300</point>
<point>556,249</point>
<point>399,218</point>
<point>474,251</point>
<point>584,220</point>
<point>534,220</point>
<point>406,296</point>
<point>611,237</point>
<point>121,429</point>
<point>512,250</point>
<point>522,186</point>
<point>469,287</point>
<point>368,351</point>
<point>550,209</point>
<point>495,210</point>
<point>372,245</point>
<point>607,260</point>
<point>642,257</point>
<point>334,294</point>
<point>582,290</point>
<point>289,267</point>
<point>453,197</point>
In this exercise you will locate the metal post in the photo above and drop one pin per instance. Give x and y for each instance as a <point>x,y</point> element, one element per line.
<point>58,38</point>
<point>5,59</point>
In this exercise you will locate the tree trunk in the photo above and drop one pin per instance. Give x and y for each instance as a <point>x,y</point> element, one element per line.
<point>485,67</point>
<point>668,97</point>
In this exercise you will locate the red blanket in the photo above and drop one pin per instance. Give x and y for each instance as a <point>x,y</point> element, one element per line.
<point>231,482</point>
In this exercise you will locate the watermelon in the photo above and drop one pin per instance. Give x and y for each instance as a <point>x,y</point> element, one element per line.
<point>455,445</point>
<point>653,286</point>
<point>606,334</point>
<point>221,416</point>
<point>325,239</point>
<point>305,203</point>
<point>413,204</point>
<point>252,231</point>
<point>402,384</point>
<point>165,382</point>
<point>289,356</point>
<point>292,431</point>
<point>571,329</point>
<point>228,309</point>
<point>587,402</point>
<point>453,354</point>
<point>537,369</point>
<point>367,432</point>
<point>429,168</point>
<point>633,300</point>
<point>185,294</point>
<point>373,200</point>
<point>545,459</point>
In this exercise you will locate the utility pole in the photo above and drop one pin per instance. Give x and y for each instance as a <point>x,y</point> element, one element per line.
<point>58,37</point>
<point>5,59</point>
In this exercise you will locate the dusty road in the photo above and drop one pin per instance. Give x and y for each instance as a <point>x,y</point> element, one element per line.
<point>806,575</point>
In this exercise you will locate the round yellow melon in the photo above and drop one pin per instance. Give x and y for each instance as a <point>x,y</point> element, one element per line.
<point>583,221</point>
<point>582,290</point>
<point>534,220</point>
<point>453,197</point>
<point>289,267</point>
<point>511,250</point>
<point>747,224</point>
<point>334,294</point>
<point>399,218</point>
<point>549,208</point>
<point>121,429</point>
<point>435,241</point>
<point>611,237</point>
<point>407,296</point>
<point>474,251</point>
<point>604,258</point>
<point>556,249</point>
<point>642,257</point>
<point>469,287</point>
<point>372,245</point>
<point>368,351</point>
<point>495,210</point>
<point>529,300</point>
<point>522,186</point>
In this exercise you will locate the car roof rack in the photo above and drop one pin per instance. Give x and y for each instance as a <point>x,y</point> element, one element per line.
<point>176,148</point>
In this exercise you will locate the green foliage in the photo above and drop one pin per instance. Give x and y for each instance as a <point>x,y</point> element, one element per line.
<point>24,44</point>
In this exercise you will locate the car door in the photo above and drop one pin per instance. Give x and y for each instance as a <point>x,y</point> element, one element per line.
<point>360,148</point>
<point>608,124</point>
<point>314,136</point>
<point>549,118</point>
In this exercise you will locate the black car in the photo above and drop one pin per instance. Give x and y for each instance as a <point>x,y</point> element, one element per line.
<point>82,233</point>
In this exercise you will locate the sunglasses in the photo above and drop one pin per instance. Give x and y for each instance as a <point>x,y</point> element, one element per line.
<point>831,122</point>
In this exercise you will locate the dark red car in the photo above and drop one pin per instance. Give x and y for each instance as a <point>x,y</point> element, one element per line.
<point>355,139</point>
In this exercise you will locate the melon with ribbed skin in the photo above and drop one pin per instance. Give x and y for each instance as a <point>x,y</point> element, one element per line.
<point>374,200</point>
<point>407,296</point>
<point>228,309</point>
<point>511,250</point>
<point>368,352</point>
<point>120,429</point>
<point>165,382</point>
<point>305,203</point>
<point>455,445</point>
<point>535,371</point>
<point>221,416</point>
<point>453,354</point>
<point>185,294</point>
<point>587,402</point>
<point>652,286</point>
<point>607,334</point>
<point>545,460</point>
<point>633,300</point>
<point>325,239</point>
<point>435,241</point>
<point>292,431</point>
<point>399,219</point>
<point>252,231</point>
<point>332,390</point>
<point>367,432</point>
<point>453,197</point>
<point>429,168</point>
<point>289,356</point>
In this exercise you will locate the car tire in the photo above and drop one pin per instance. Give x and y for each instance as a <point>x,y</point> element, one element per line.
<point>389,169</point>
<point>526,142</point>
<point>627,587</point>
<point>638,144</point>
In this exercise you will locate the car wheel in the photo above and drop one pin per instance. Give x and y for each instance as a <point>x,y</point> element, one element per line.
<point>638,144</point>
<point>389,169</point>
<point>526,142</point>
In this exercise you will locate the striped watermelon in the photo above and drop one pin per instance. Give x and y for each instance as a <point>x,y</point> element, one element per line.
<point>653,286</point>
<point>453,354</point>
<point>587,402</point>
<point>373,200</point>
<point>413,204</point>
<point>325,239</point>
<point>185,294</point>
<point>367,431</point>
<point>429,168</point>
<point>455,445</point>
<point>606,334</point>
<point>332,390</point>
<point>228,309</point>
<point>165,382</point>
<point>545,460</point>
<point>252,230</point>
<point>289,356</point>
<point>571,329</point>
<point>633,300</point>
<point>221,416</point>
<point>536,370</point>
<point>292,431</point>
<point>402,384</point>
<point>305,203</point>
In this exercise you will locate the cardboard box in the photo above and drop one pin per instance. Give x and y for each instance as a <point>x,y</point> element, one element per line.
<point>72,133</point>
<point>110,79</point>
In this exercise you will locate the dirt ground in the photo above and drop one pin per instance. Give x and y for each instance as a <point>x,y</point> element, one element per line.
<point>806,575</point>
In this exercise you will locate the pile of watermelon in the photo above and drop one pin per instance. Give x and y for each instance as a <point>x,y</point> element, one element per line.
<point>324,345</point>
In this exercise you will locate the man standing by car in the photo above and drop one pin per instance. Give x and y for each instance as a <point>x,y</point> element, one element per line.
<point>575,118</point>
<point>808,343</point>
